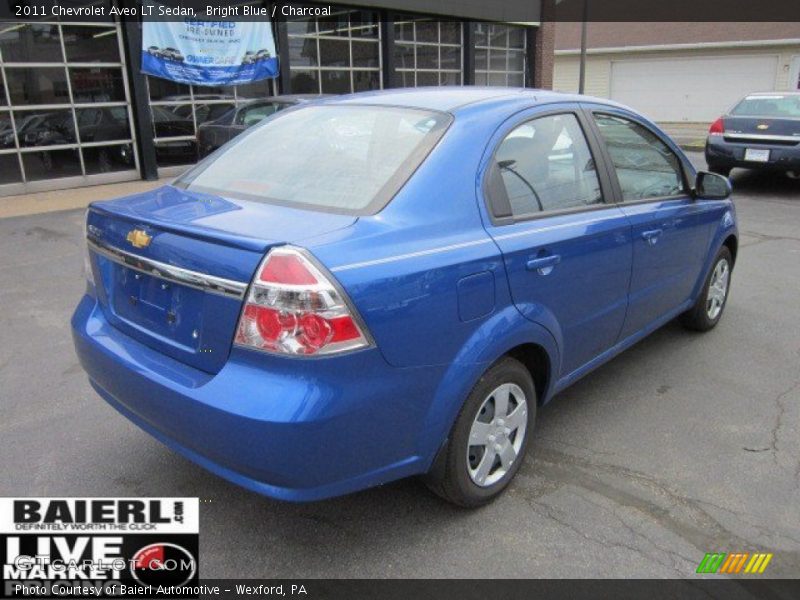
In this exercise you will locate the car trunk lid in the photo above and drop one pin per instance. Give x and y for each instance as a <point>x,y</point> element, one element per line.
<point>171,267</point>
<point>768,130</point>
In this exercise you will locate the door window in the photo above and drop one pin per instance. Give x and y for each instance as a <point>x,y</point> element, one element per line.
<point>646,167</point>
<point>545,165</point>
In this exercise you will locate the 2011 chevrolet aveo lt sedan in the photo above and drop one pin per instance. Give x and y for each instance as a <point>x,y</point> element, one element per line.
<point>390,284</point>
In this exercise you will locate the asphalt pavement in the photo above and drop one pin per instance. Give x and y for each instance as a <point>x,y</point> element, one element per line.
<point>685,444</point>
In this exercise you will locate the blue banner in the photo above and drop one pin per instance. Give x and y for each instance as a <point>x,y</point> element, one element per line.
<point>209,52</point>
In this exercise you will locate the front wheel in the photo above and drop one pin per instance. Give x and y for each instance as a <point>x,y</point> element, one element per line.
<point>489,439</point>
<point>707,311</point>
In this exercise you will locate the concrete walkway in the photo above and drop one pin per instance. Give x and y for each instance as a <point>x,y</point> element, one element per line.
<point>42,202</point>
<point>689,136</point>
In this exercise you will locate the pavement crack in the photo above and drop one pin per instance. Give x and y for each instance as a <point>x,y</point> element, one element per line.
<point>781,412</point>
<point>684,516</point>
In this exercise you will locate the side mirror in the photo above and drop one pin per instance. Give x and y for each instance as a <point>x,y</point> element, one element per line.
<point>712,186</point>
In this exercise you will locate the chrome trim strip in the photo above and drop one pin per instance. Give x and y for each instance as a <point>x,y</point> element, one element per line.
<point>389,259</point>
<point>764,137</point>
<point>179,275</point>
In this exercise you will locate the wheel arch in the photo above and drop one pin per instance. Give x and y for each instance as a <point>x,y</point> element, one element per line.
<point>507,333</point>
<point>536,359</point>
<point>732,243</point>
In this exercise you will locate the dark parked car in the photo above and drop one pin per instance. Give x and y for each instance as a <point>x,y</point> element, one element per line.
<point>761,132</point>
<point>23,124</point>
<point>214,133</point>
<point>105,124</point>
<point>167,124</point>
<point>50,130</point>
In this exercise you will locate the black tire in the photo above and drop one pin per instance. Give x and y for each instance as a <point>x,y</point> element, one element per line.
<point>697,318</point>
<point>720,170</point>
<point>450,476</point>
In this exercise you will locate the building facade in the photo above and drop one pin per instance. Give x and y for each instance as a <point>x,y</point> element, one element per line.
<point>679,72</point>
<point>75,109</point>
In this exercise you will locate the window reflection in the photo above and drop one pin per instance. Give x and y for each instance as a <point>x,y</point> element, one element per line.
<point>45,128</point>
<point>107,159</point>
<point>428,52</point>
<point>43,85</point>
<point>47,138</point>
<point>9,169</point>
<point>47,164</point>
<point>335,55</point>
<point>91,44</point>
<point>28,42</point>
<point>499,54</point>
<point>102,124</point>
<point>97,85</point>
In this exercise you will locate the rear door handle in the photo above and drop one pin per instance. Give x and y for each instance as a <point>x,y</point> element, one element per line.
<point>544,265</point>
<point>651,237</point>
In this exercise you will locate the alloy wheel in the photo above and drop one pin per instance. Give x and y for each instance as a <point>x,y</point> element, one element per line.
<point>718,289</point>
<point>497,434</point>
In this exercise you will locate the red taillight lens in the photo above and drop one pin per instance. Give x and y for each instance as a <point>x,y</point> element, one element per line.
<point>717,126</point>
<point>287,269</point>
<point>294,308</point>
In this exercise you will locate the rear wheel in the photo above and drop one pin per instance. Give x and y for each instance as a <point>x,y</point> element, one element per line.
<point>489,439</point>
<point>707,311</point>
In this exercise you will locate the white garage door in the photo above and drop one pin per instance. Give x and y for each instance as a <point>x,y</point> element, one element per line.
<point>690,89</point>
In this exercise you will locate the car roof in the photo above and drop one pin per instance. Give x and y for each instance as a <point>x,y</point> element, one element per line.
<point>455,98</point>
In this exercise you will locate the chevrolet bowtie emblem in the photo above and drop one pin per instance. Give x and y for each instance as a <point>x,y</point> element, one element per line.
<point>139,238</point>
<point>763,126</point>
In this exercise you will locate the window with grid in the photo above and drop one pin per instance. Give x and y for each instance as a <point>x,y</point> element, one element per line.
<point>178,109</point>
<point>428,52</point>
<point>64,102</point>
<point>500,54</point>
<point>336,54</point>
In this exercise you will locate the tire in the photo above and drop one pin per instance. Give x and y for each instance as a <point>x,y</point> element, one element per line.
<point>720,170</point>
<point>710,305</point>
<point>461,464</point>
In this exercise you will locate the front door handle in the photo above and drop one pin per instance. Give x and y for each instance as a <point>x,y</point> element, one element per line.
<point>544,264</point>
<point>651,236</point>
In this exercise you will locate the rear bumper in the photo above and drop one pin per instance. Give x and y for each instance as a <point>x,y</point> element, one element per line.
<point>721,153</point>
<point>290,429</point>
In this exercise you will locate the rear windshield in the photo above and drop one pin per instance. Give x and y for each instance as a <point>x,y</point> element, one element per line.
<point>769,106</point>
<point>346,159</point>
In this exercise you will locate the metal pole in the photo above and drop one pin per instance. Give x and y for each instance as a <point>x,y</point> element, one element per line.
<point>582,75</point>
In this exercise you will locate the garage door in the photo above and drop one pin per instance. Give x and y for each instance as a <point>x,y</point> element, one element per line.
<point>690,89</point>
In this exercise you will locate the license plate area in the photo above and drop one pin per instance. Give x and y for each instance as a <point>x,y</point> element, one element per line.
<point>756,155</point>
<point>158,307</point>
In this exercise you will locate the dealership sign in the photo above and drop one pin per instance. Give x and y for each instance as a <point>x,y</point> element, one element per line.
<point>98,547</point>
<point>209,52</point>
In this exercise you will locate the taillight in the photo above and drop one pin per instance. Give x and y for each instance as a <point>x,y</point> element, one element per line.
<point>294,307</point>
<point>717,127</point>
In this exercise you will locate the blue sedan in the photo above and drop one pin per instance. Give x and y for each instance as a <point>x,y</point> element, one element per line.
<point>389,284</point>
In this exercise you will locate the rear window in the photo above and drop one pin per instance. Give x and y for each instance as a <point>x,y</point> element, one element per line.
<point>769,106</point>
<point>346,159</point>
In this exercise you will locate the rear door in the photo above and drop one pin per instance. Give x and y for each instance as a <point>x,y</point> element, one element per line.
<point>671,232</point>
<point>566,246</point>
